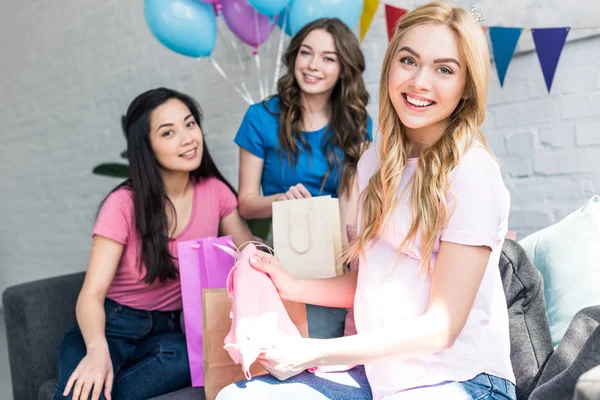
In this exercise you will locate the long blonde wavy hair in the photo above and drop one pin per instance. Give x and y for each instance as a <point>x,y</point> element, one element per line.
<point>430,184</point>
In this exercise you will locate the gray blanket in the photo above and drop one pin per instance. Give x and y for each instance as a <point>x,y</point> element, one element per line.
<point>543,373</point>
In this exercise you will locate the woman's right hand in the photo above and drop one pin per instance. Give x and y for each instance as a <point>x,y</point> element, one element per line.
<point>295,192</point>
<point>93,373</point>
<point>285,283</point>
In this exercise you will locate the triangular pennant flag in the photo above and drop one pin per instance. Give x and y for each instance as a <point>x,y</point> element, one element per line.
<point>504,42</point>
<point>392,15</point>
<point>549,43</point>
<point>367,15</point>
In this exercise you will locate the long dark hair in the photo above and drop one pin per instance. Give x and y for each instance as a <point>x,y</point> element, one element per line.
<point>149,197</point>
<point>348,103</point>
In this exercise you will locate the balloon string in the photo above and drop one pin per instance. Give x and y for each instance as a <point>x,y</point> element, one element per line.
<point>232,43</point>
<point>257,56</point>
<point>218,68</point>
<point>280,50</point>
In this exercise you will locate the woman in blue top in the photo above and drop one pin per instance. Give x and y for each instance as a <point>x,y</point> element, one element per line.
<point>306,140</point>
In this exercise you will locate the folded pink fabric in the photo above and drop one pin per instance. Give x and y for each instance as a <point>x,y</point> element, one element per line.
<point>259,318</point>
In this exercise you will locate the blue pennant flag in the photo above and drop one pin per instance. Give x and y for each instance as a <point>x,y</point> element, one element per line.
<point>549,43</point>
<point>504,41</point>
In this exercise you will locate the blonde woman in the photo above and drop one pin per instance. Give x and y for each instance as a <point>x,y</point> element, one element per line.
<point>431,211</point>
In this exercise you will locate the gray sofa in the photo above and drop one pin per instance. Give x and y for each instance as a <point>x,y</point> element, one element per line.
<point>39,313</point>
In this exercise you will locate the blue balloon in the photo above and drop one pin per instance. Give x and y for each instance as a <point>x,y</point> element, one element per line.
<point>302,12</point>
<point>283,16</point>
<point>188,27</point>
<point>269,7</point>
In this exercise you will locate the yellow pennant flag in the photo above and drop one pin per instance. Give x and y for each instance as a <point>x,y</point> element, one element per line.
<point>366,18</point>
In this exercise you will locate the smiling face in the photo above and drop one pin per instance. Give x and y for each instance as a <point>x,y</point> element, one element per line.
<point>427,79</point>
<point>175,137</point>
<point>317,68</point>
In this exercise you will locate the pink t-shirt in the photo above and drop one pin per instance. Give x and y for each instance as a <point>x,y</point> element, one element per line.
<point>390,290</point>
<point>213,200</point>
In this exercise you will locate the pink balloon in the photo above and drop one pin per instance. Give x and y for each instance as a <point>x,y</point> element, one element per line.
<point>243,20</point>
<point>209,1</point>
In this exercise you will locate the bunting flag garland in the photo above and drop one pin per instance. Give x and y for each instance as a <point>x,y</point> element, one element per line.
<point>392,15</point>
<point>369,10</point>
<point>549,43</point>
<point>504,41</point>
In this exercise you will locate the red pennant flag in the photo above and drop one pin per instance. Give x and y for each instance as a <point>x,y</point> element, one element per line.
<point>392,15</point>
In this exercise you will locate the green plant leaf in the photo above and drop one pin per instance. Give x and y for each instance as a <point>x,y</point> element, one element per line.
<point>112,169</point>
<point>123,126</point>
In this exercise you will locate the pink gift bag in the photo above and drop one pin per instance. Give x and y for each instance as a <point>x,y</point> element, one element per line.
<point>203,264</point>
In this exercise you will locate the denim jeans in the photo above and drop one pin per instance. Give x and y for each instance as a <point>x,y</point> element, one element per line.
<point>353,385</point>
<point>147,350</point>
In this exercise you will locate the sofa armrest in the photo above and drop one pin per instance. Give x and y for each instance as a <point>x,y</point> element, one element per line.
<point>37,315</point>
<point>588,385</point>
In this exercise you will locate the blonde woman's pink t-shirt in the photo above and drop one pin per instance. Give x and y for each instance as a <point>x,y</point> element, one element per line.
<point>391,291</point>
<point>213,200</point>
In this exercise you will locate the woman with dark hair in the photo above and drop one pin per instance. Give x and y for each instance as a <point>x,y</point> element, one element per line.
<point>128,343</point>
<point>306,140</point>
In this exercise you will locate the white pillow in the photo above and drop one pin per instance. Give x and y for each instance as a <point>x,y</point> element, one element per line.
<point>568,256</point>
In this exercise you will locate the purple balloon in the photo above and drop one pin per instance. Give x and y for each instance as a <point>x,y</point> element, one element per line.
<point>242,19</point>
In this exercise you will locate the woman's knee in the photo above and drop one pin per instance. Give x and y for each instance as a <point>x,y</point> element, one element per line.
<point>230,392</point>
<point>70,352</point>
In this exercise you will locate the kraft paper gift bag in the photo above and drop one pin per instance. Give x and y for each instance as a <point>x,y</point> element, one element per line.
<point>219,368</point>
<point>307,236</point>
<point>202,265</point>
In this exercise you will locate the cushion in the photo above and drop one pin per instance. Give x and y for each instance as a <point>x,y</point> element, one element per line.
<point>568,256</point>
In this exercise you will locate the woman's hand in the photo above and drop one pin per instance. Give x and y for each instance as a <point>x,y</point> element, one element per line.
<point>93,373</point>
<point>285,283</point>
<point>289,358</point>
<point>295,192</point>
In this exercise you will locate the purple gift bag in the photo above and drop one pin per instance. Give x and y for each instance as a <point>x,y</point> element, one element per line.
<point>202,265</point>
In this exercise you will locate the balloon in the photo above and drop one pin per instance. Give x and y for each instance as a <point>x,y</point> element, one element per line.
<point>282,17</point>
<point>210,1</point>
<point>242,18</point>
<point>269,7</point>
<point>187,27</point>
<point>302,12</point>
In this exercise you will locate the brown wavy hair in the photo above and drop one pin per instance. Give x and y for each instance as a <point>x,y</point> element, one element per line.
<point>430,184</point>
<point>348,104</point>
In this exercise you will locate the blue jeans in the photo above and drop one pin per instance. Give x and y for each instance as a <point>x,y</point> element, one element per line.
<point>353,385</point>
<point>147,350</point>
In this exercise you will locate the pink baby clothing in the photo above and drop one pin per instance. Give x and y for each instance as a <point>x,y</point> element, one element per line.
<point>213,200</point>
<point>259,318</point>
<point>390,289</point>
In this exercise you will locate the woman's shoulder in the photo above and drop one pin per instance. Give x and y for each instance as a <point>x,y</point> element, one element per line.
<point>478,158</point>
<point>368,165</point>
<point>477,168</point>
<point>213,186</point>
<point>122,197</point>
<point>267,107</point>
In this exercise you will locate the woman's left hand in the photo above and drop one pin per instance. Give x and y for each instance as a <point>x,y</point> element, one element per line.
<point>289,358</point>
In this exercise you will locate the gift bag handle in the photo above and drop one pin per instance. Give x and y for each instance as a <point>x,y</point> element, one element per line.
<point>299,230</point>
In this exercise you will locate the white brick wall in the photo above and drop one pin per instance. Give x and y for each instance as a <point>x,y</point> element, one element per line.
<point>69,71</point>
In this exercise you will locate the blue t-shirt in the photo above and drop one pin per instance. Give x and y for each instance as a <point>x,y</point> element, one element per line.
<point>258,134</point>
